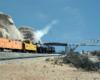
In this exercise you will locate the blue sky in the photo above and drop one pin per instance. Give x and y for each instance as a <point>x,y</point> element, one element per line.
<point>78,20</point>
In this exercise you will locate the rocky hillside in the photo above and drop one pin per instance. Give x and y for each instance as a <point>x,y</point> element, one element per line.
<point>28,33</point>
<point>9,30</point>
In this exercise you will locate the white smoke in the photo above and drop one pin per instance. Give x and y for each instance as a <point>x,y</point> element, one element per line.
<point>41,33</point>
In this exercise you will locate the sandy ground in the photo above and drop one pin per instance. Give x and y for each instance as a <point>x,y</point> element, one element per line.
<point>41,70</point>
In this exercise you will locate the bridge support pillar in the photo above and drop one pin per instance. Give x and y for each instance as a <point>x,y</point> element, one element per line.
<point>66,50</point>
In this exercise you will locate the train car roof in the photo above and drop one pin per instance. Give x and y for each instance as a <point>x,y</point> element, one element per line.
<point>12,39</point>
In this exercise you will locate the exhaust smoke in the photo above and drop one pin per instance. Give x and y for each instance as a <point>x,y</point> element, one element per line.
<point>41,33</point>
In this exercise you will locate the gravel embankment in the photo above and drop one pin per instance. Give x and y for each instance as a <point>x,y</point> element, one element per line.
<point>11,57</point>
<point>21,60</point>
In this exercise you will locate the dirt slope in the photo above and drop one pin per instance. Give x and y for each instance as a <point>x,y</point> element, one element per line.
<point>41,70</point>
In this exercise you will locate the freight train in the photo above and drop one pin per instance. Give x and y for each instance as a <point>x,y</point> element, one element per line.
<point>24,46</point>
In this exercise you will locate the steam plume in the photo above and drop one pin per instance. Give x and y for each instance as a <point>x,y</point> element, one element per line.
<point>41,33</point>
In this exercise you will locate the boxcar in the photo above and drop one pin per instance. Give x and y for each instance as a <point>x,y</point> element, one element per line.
<point>10,44</point>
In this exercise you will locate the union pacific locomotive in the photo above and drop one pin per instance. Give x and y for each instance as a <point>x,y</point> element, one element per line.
<point>25,46</point>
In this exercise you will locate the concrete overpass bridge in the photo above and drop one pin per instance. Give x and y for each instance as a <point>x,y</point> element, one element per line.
<point>55,44</point>
<point>68,46</point>
<point>58,44</point>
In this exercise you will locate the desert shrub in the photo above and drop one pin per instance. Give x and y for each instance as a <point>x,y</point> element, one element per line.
<point>80,61</point>
<point>95,53</point>
<point>77,60</point>
<point>58,60</point>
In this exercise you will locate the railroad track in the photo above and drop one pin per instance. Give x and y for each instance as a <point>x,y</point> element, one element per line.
<point>15,55</point>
